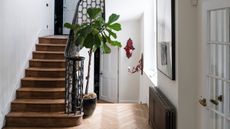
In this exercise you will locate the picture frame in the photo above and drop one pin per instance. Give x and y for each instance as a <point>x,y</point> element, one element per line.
<point>166,37</point>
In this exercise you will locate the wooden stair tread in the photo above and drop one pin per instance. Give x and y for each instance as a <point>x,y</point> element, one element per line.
<point>47,63</point>
<point>45,69</point>
<point>51,45</point>
<point>55,37</point>
<point>47,60</point>
<point>42,79</point>
<point>39,101</point>
<point>48,52</point>
<point>41,89</point>
<point>41,114</point>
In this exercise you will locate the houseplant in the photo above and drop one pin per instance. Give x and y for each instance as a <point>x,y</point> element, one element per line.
<point>96,34</point>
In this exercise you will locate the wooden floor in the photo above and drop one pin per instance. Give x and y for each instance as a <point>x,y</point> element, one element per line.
<point>113,116</point>
<point>117,116</point>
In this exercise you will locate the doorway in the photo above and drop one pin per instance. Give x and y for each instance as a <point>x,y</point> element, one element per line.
<point>97,68</point>
<point>69,8</point>
<point>58,17</point>
<point>216,23</point>
<point>109,78</point>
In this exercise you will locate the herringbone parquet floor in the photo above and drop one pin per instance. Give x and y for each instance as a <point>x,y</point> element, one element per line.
<point>117,116</point>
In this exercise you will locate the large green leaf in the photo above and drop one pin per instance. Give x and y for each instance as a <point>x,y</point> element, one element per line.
<point>86,31</point>
<point>97,40</point>
<point>95,31</point>
<point>94,48</point>
<point>81,35</point>
<point>105,48</point>
<point>113,18</point>
<point>71,26</point>
<point>114,35</point>
<point>115,43</point>
<point>115,26</point>
<point>89,41</point>
<point>94,12</point>
<point>80,41</point>
<point>92,40</point>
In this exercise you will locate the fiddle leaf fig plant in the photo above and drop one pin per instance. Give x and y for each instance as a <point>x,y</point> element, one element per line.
<point>96,34</point>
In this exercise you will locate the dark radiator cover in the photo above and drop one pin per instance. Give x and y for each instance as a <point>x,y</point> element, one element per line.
<point>162,114</point>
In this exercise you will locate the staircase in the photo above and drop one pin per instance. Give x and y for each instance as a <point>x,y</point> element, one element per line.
<point>40,100</point>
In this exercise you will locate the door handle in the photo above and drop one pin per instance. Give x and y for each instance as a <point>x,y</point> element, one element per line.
<point>101,73</point>
<point>220,98</point>
<point>215,102</point>
<point>203,102</point>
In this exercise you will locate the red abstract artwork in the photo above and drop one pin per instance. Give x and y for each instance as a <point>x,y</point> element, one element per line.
<point>129,48</point>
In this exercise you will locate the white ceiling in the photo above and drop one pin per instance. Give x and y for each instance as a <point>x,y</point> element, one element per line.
<point>127,9</point>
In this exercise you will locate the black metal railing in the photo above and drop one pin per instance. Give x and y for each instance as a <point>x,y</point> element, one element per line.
<point>74,77</point>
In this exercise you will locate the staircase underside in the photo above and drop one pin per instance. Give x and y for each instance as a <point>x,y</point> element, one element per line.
<point>40,100</point>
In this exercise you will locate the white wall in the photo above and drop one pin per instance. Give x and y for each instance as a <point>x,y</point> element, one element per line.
<point>148,48</point>
<point>183,91</point>
<point>129,83</point>
<point>84,53</point>
<point>22,21</point>
<point>127,9</point>
<point>201,68</point>
<point>145,82</point>
<point>188,72</point>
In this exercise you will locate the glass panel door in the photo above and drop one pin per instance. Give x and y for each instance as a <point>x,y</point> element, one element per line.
<point>219,68</point>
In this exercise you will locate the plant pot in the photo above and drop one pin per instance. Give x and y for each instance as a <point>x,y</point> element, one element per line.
<point>89,104</point>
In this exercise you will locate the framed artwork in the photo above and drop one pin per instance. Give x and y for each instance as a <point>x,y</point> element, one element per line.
<point>166,37</point>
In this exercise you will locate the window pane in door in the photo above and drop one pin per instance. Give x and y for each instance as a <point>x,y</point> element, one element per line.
<point>217,121</point>
<point>227,124</point>
<point>212,59</point>
<point>227,99</point>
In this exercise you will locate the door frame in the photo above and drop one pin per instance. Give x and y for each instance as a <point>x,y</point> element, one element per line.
<point>207,5</point>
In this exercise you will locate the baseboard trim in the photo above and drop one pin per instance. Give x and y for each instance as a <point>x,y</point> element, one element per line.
<point>128,101</point>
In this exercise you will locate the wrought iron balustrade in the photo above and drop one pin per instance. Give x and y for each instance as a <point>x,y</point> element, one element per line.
<point>74,77</point>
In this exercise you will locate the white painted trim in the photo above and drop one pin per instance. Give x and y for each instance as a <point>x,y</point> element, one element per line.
<point>219,43</point>
<point>152,76</point>
<point>128,101</point>
<point>219,78</point>
<point>118,75</point>
<point>107,99</point>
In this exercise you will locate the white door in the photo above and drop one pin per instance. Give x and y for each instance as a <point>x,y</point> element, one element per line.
<point>109,76</point>
<point>216,81</point>
<point>69,7</point>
